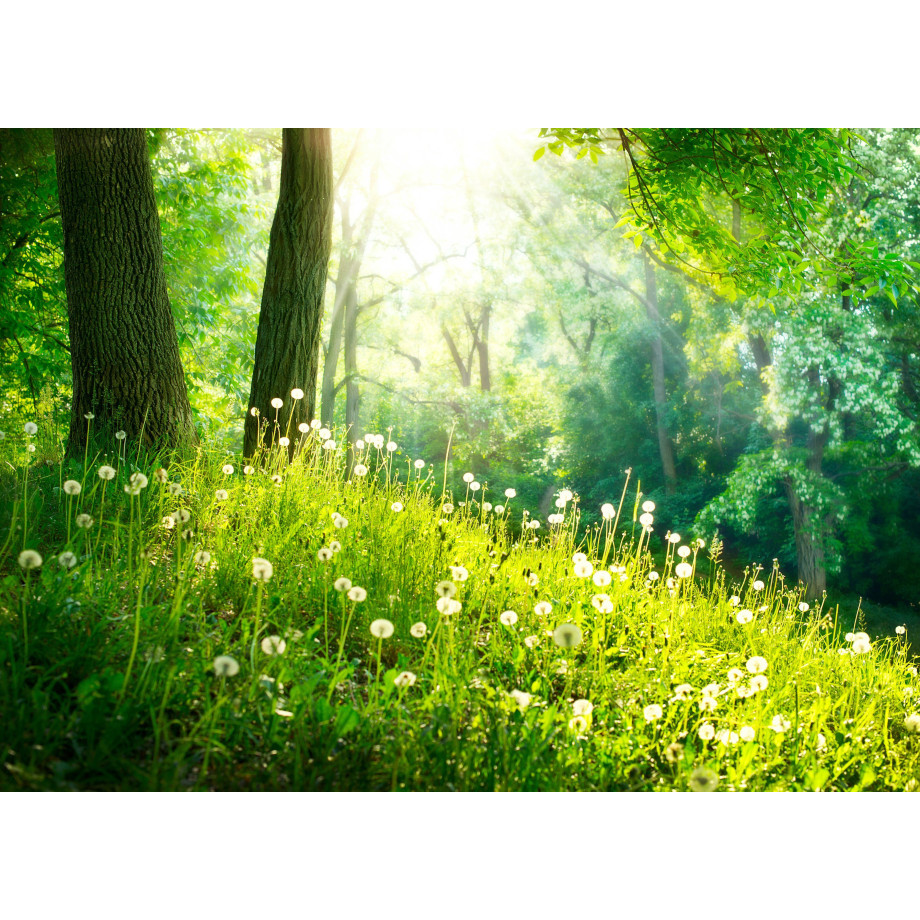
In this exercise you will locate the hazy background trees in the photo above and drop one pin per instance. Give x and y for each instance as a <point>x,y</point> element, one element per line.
<point>767,390</point>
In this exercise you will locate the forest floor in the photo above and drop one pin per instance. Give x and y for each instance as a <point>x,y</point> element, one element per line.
<point>199,623</point>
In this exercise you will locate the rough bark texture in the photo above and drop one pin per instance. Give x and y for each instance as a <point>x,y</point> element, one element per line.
<point>291,317</point>
<point>124,351</point>
<point>665,447</point>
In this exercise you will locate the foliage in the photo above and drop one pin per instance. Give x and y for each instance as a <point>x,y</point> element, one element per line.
<point>166,653</point>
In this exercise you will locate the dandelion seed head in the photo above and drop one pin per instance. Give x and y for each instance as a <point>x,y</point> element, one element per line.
<point>759,682</point>
<point>175,489</point>
<point>342,584</point>
<point>445,589</point>
<point>418,630</point>
<point>404,679</point>
<point>543,608</point>
<point>508,618</point>
<point>262,569</point>
<point>67,559</point>
<point>447,508</point>
<point>757,585</point>
<point>381,629</point>
<point>744,616</point>
<point>296,393</point>
<point>360,469</point>
<point>357,594</point>
<point>521,698</point>
<point>567,635</point>
<point>583,569</point>
<point>747,733</point>
<point>646,520</point>
<point>273,645</point>
<point>340,522</point>
<point>84,521</point>
<point>683,570</point>
<point>578,724</point>
<point>803,607</point>
<point>277,403</point>
<point>120,435</point>
<point>202,557</point>
<point>652,712</point>
<point>683,551</point>
<point>706,731</point>
<point>30,428</point>
<point>468,477</point>
<point>227,469</point>
<point>459,573</point>
<point>221,495</point>
<point>396,506</point>
<point>780,724</point>
<point>225,666</point>
<point>756,664</point>
<point>391,446</point>
<point>325,434</point>
<point>324,554</point>
<point>674,538</point>
<point>510,493</point>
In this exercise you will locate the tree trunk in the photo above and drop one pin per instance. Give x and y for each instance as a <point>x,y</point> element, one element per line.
<point>665,447</point>
<point>809,543</point>
<point>331,362</point>
<point>482,346</point>
<point>290,321</point>
<point>465,376</point>
<point>123,346</point>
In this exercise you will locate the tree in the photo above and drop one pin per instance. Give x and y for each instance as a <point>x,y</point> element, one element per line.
<point>124,352</point>
<point>291,317</point>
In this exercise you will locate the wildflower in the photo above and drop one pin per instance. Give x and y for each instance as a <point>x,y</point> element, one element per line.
<point>706,731</point>
<point>382,629</point>
<point>221,495</point>
<point>273,645</point>
<point>567,635</point>
<point>759,682</point>
<point>30,448</point>
<point>283,442</point>
<point>448,606</point>
<point>342,584</point>
<point>862,646</point>
<point>653,576</point>
<point>543,608</point>
<point>682,692</point>
<point>499,509</point>
<point>652,712</point>
<point>84,521</point>
<point>360,469</point>
<point>227,469</point>
<point>683,570</point>
<point>468,477</point>
<point>579,557</point>
<point>248,470</point>
<point>277,403</point>
<point>726,737</point>
<point>324,554</point>
<point>646,520</point>
<point>900,630</point>
<point>225,666</point>
<point>674,752</point>
<point>578,724</point>
<point>418,630</point>
<point>404,679</point>
<point>602,603</point>
<point>120,435</point>
<point>747,733</point>
<point>419,464</point>
<point>758,585</point>
<point>708,703</point>
<point>168,521</point>
<point>357,594</point>
<point>341,522</point>
<point>253,411</point>
<point>803,607</point>
<point>674,538</point>
<point>303,427</point>
<point>261,569</point>
<point>296,393</point>
<point>329,444</point>
<point>325,434</point>
<point>396,506</point>
<point>683,551</point>
<point>521,698</point>
<point>601,578</point>
<point>734,600</point>
<point>447,508</point>
<point>106,473</point>
<point>607,511</point>
<point>583,569</point>
<point>565,495</point>
<point>510,493</point>
<point>648,506</point>
<point>175,488</point>
<point>533,579</point>
<point>744,616</point>
<point>30,559</point>
<point>202,557</point>
<point>912,723</point>
<point>734,675</point>
<point>756,665</point>
<point>72,487</point>
<point>508,618</point>
<point>445,589</point>
<point>459,572</point>
<point>335,546</point>
<point>533,525</point>
<point>31,428</point>
<point>780,724</point>
<point>531,641</point>
<point>555,518</point>
<point>188,533</point>
<point>67,559</point>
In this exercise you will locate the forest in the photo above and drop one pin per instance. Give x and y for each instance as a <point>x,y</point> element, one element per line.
<point>663,382</point>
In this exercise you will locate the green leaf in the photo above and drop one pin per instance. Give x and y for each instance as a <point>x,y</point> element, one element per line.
<point>539,153</point>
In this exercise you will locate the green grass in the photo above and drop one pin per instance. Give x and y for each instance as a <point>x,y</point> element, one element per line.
<point>108,678</point>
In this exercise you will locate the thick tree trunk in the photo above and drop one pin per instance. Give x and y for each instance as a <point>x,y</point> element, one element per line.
<point>665,447</point>
<point>809,543</point>
<point>123,346</point>
<point>290,321</point>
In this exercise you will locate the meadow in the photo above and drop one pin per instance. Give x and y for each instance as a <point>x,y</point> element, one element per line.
<point>319,618</point>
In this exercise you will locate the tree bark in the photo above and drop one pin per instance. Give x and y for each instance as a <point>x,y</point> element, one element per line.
<point>290,321</point>
<point>124,351</point>
<point>665,447</point>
